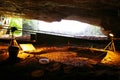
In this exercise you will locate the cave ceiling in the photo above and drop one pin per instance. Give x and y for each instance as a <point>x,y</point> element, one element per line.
<point>104,13</point>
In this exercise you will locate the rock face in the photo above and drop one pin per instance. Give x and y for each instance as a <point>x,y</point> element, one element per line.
<point>104,13</point>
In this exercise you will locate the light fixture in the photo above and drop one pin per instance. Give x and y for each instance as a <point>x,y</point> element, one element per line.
<point>111,45</point>
<point>111,35</point>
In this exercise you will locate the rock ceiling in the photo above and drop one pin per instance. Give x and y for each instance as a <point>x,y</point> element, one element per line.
<point>104,13</point>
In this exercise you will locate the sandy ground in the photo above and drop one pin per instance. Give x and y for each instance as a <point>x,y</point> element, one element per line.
<point>60,66</point>
<point>112,58</point>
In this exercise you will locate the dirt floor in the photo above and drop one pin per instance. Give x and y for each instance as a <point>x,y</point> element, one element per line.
<point>59,65</point>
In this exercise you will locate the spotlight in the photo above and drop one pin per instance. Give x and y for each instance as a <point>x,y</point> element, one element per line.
<point>111,45</point>
<point>111,35</point>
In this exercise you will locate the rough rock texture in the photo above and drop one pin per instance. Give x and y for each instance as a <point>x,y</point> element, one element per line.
<point>104,13</point>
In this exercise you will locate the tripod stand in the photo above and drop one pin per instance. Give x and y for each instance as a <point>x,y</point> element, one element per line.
<point>111,46</point>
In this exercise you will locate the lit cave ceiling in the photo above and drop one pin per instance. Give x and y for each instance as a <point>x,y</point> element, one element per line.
<point>104,13</point>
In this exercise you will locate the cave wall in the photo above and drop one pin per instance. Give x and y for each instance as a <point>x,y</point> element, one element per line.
<point>112,25</point>
<point>104,13</point>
